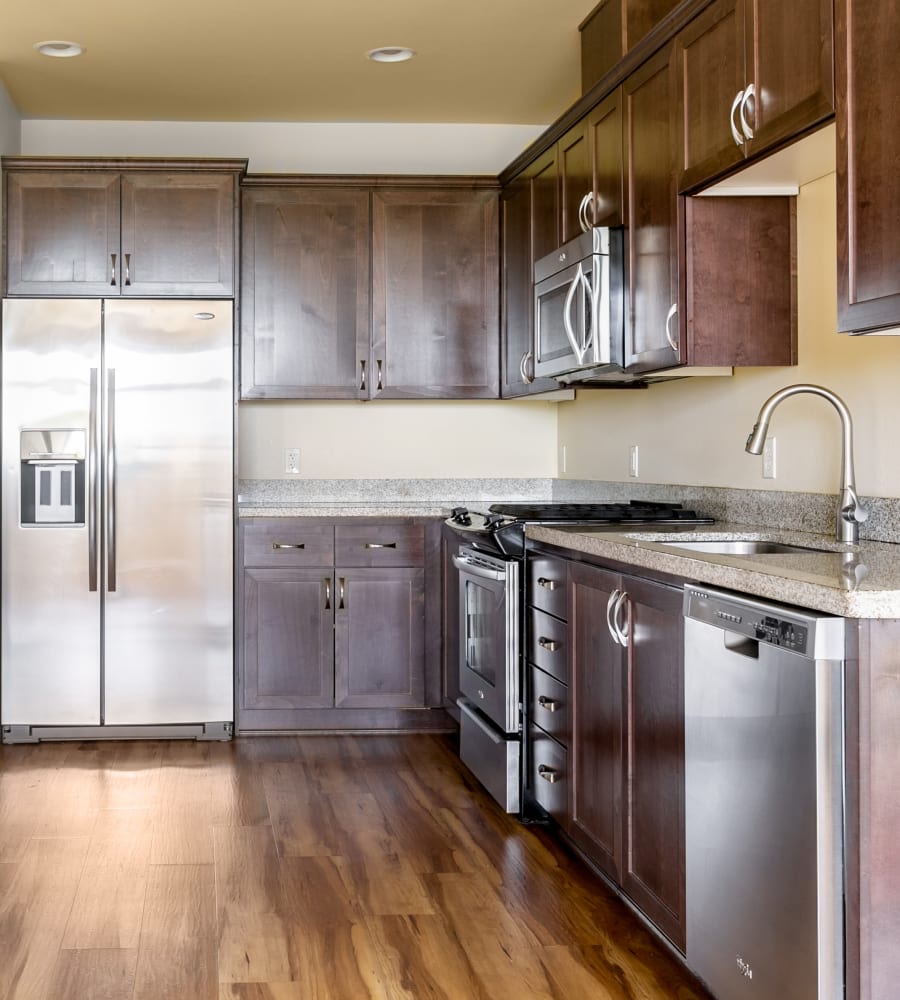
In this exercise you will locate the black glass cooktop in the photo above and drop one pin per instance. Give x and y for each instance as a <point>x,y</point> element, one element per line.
<point>612,513</point>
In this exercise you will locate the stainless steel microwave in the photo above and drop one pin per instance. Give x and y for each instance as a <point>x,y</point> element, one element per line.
<point>579,307</point>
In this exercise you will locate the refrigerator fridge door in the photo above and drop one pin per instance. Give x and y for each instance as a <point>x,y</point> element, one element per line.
<point>168,488</point>
<point>50,592</point>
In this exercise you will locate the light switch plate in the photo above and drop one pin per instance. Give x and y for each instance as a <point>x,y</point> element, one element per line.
<point>292,461</point>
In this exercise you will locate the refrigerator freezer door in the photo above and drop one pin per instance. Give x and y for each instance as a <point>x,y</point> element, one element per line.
<point>51,617</point>
<point>169,530</point>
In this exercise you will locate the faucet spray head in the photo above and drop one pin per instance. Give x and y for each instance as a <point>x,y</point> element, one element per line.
<point>757,438</point>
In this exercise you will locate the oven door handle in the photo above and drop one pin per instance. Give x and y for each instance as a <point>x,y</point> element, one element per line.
<point>473,569</point>
<point>473,716</point>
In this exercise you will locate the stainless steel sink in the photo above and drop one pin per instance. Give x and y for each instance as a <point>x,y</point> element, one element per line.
<point>741,547</point>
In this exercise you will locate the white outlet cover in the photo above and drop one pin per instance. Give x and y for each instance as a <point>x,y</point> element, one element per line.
<point>292,461</point>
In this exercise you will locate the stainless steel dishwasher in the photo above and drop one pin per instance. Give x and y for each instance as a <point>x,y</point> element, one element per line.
<point>764,797</point>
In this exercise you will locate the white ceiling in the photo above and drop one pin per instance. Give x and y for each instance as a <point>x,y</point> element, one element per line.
<point>480,61</point>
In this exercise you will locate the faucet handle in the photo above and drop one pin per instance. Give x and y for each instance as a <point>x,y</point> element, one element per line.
<point>854,509</point>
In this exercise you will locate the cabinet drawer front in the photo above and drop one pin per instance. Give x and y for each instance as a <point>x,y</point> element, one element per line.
<point>548,775</point>
<point>547,584</point>
<point>379,544</point>
<point>547,644</point>
<point>288,544</point>
<point>549,704</point>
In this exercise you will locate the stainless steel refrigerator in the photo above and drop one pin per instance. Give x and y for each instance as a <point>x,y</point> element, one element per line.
<point>117,519</point>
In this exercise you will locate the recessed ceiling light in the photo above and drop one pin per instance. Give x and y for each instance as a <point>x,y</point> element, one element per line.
<point>60,50</point>
<point>390,53</point>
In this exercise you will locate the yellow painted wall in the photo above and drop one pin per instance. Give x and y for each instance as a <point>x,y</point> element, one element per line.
<point>693,431</point>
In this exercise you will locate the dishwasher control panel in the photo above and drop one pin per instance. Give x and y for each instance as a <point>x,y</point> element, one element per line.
<point>797,631</point>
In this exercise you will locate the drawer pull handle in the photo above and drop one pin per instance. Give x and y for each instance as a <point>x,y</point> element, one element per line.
<point>380,545</point>
<point>288,545</point>
<point>341,605</point>
<point>327,582</point>
<point>548,774</point>
<point>548,703</point>
<point>551,645</point>
<point>547,584</point>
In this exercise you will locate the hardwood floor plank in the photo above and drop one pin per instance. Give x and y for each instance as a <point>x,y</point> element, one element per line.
<point>302,820</point>
<point>177,953</point>
<point>106,974</point>
<point>33,914</point>
<point>254,940</point>
<point>182,831</point>
<point>109,902</point>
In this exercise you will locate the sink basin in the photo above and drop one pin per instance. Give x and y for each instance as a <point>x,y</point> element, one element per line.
<point>741,547</point>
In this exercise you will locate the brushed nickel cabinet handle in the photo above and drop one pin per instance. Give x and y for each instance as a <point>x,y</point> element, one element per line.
<point>670,315</point>
<point>551,645</point>
<point>623,631</point>
<point>523,368</point>
<point>380,545</point>
<point>362,376</point>
<point>327,582</point>
<point>547,584</point>
<point>746,127</point>
<point>548,774</point>
<point>112,270</point>
<point>548,703</point>
<point>735,134</point>
<point>613,597</point>
<point>288,545</point>
<point>341,593</point>
<point>379,371</point>
<point>127,268</point>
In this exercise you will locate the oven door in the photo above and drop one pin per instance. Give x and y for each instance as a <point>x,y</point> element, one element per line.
<point>489,636</point>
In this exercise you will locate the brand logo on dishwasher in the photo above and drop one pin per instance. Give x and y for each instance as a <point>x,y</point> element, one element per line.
<point>744,968</point>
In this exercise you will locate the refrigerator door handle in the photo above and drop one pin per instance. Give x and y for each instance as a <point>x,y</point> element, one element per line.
<point>111,480</point>
<point>93,498</point>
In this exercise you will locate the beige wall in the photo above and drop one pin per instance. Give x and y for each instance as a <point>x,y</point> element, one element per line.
<point>399,439</point>
<point>693,431</point>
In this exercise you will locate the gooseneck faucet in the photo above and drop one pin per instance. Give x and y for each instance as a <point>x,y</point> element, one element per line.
<point>850,511</point>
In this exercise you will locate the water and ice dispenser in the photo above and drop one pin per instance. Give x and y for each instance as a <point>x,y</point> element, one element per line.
<point>52,476</point>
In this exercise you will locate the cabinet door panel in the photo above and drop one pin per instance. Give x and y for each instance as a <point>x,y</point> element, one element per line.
<point>546,229</point>
<point>597,725</point>
<point>435,294</point>
<point>61,232</point>
<point>576,177</point>
<point>287,638</point>
<point>710,55</point>
<point>654,847</point>
<point>396,544</point>
<point>379,638</point>
<point>789,60</point>
<point>868,182</point>
<point>652,254</point>
<point>304,292</point>
<point>605,127</point>
<point>178,234</point>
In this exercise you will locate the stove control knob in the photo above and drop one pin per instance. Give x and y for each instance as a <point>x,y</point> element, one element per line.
<point>460,515</point>
<point>493,521</point>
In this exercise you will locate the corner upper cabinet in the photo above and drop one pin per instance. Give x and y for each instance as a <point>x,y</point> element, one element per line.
<point>304,292</point>
<point>107,228</point>
<point>868,182</point>
<point>435,293</point>
<point>753,74</point>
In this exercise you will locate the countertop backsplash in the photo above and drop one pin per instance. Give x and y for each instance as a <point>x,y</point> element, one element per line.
<point>813,512</point>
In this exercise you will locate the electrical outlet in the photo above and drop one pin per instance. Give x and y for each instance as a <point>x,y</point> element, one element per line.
<point>768,458</point>
<point>633,461</point>
<point>292,461</point>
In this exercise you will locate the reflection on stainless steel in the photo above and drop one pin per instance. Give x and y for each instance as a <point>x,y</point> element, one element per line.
<point>166,538</point>
<point>850,511</point>
<point>853,570</point>
<point>741,547</point>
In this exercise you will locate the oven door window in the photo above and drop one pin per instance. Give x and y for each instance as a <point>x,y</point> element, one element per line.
<point>485,624</point>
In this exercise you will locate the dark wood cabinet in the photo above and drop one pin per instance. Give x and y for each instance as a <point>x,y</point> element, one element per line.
<point>652,248</point>
<point>626,752</point>
<point>304,292</point>
<point>604,125</point>
<point>95,228</point>
<point>576,177</point>
<point>340,624</point>
<point>868,182</point>
<point>435,294</point>
<point>753,74</point>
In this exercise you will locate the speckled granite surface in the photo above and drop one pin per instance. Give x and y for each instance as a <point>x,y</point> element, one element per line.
<point>860,581</point>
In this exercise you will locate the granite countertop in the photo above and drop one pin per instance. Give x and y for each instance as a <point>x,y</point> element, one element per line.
<point>855,581</point>
<point>357,508</point>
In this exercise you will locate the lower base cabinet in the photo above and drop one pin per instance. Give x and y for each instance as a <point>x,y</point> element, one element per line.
<point>349,641</point>
<point>625,758</point>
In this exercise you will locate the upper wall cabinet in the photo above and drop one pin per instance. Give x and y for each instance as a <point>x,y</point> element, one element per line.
<point>304,292</point>
<point>753,73</point>
<point>435,294</point>
<point>105,228</point>
<point>868,181</point>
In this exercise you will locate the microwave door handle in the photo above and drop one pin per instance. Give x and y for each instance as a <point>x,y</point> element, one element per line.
<point>589,317</point>
<point>568,306</point>
<point>599,293</point>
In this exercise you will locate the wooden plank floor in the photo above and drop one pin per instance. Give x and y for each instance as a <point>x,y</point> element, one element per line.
<point>296,868</point>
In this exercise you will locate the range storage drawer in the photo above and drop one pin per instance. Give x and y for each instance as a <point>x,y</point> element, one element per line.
<point>547,644</point>
<point>379,544</point>
<point>492,759</point>
<point>288,544</point>
<point>547,585</point>
<point>549,704</point>
<point>548,774</point>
